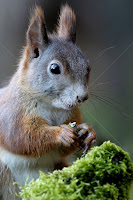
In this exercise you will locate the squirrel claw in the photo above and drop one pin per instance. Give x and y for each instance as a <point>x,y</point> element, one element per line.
<point>87,137</point>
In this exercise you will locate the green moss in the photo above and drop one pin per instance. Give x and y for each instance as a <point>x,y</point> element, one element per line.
<point>106,172</point>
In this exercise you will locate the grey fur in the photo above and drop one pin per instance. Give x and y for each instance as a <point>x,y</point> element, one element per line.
<point>75,70</point>
<point>7,190</point>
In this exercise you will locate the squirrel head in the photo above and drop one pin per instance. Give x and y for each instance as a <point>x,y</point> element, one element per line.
<point>56,69</point>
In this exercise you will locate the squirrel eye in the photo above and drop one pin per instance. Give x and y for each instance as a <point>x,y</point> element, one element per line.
<point>55,69</point>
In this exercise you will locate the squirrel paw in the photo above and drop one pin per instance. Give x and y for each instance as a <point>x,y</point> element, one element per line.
<point>69,137</point>
<point>87,136</point>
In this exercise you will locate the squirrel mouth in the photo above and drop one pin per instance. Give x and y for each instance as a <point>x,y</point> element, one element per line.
<point>67,106</point>
<point>70,106</point>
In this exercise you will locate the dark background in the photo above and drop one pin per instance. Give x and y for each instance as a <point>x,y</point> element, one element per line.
<point>105,34</point>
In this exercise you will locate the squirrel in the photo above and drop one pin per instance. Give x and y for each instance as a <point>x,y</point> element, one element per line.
<point>41,99</point>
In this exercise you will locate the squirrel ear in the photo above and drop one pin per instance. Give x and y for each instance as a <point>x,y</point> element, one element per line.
<point>67,24</point>
<point>37,35</point>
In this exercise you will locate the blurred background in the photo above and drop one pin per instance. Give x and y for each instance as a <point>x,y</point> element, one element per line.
<point>105,34</point>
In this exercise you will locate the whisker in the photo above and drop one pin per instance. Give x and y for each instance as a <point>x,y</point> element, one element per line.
<point>95,97</point>
<point>103,83</point>
<point>109,103</point>
<point>106,95</point>
<point>102,52</point>
<point>92,103</point>
<point>96,60</point>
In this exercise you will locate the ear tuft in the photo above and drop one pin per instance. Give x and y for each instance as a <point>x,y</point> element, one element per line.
<point>67,24</point>
<point>37,35</point>
<point>39,13</point>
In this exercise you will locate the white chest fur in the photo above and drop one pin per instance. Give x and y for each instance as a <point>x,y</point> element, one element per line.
<point>54,117</point>
<point>25,167</point>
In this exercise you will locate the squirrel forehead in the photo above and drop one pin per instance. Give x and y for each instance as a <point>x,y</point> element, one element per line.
<point>67,53</point>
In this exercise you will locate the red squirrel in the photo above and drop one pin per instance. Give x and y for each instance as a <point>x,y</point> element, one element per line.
<point>42,97</point>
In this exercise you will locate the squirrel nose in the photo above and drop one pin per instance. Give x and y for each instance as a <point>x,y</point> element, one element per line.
<point>82,98</point>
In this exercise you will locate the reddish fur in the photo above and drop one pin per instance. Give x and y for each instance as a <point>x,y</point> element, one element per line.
<point>67,22</point>
<point>36,34</point>
<point>27,59</point>
<point>32,136</point>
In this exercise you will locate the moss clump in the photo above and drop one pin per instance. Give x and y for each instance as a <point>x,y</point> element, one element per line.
<point>106,172</point>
